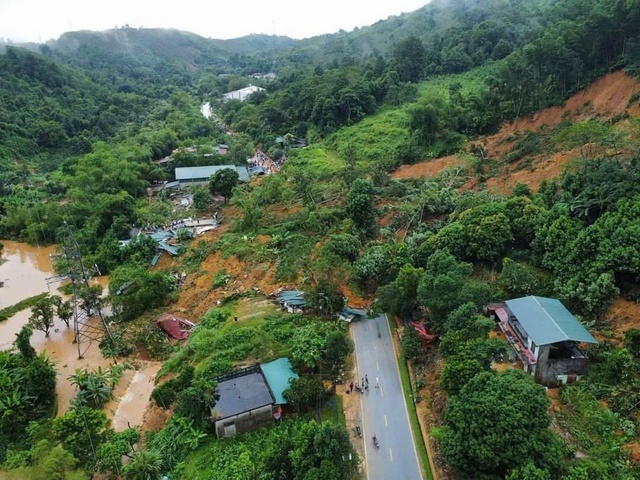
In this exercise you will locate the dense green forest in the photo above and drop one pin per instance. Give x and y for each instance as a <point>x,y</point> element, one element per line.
<point>83,118</point>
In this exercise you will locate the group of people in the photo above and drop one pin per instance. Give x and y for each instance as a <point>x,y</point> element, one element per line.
<point>364,385</point>
<point>261,159</point>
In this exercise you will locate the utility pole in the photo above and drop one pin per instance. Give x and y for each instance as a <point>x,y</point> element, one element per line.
<point>89,324</point>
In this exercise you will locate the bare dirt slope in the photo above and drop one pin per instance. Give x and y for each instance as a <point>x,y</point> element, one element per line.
<point>604,99</point>
<point>427,169</point>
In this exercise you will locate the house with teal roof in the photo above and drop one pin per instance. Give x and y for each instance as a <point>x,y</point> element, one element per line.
<point>251,397</point>
<point>546,338</point>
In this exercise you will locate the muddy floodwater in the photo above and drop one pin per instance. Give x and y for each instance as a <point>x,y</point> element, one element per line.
<point>24,270</point>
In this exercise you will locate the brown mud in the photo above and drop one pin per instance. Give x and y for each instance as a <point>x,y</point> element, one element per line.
<point>24,269</point>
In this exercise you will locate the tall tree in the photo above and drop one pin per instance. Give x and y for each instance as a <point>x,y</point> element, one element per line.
<point>338,346</point>
<point>42,315</point>
<point>410,56</point>
<point>64,309</point>
<point>440,287</point>
<point>80,431</point>
<point>499,422</point>
<point>360,207</point>
<point>222,182</point>
<point>23,343</point>
<point>90,298</point>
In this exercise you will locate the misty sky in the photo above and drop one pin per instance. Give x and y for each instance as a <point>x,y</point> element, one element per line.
<point>42,20</point>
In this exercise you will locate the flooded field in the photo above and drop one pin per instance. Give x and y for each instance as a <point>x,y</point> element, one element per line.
<point>24,269</point>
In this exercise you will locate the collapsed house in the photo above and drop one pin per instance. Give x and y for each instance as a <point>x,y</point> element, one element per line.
<point>545,337</point>
<point>175,327</point>
<point>350,314</point>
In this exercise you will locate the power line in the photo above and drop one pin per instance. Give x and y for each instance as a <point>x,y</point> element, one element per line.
<point>87,328</point>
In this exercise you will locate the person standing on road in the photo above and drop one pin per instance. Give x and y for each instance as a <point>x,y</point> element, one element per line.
<point>377,382</point>
<point>366,379</point>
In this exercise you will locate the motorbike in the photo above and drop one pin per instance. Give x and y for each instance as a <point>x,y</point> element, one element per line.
<point>359,431</point>
<point>375,441</point>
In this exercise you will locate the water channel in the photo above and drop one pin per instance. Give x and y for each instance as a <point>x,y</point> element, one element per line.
<point>205,109</point>
<point>24,270</point>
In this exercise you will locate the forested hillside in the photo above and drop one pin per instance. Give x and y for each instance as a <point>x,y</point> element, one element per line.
<point>466,153</point>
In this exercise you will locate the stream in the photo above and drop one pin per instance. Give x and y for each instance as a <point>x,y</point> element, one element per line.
<point>24,269</point>
<point>205,109</point>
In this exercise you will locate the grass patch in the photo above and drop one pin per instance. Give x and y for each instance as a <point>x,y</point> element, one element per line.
<point>596,431</point>
<point>568,135</point>
<point>317,160</point>
<point>376,137</point>
<point>9,312</point>
<point>253,310</point>
<point>472,81</point>
<point>413,416</point>
<point>332,411</point>
<point>219,340</point>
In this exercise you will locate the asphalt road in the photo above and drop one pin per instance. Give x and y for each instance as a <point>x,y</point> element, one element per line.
<point>384,411</point>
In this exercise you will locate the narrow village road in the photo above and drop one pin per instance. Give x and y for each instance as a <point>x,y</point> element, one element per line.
<point>384,411</point>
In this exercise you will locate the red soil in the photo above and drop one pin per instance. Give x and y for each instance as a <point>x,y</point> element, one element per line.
<point>427,169</point>
<point>603,99</point>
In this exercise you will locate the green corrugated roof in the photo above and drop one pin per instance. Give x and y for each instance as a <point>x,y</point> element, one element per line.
<point>547,321</point>
<point>278,374</point>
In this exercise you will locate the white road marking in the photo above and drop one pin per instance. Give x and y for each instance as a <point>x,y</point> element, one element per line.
<point>391,454</point>
<point>381,392</point>
<point>385,421</point>
<point>377,366</point>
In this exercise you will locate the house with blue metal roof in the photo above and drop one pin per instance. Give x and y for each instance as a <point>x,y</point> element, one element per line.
<point>291,300</point>
<point>545,337</point>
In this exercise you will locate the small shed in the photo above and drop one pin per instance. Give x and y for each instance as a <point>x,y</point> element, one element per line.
<point>292,300</point>
<point>348,314</point>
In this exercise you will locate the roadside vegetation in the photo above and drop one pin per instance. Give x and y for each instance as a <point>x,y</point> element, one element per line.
<point>335,224</point>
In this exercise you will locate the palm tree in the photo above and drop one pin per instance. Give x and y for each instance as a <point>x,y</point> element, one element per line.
<point>145,465</point>
<point>94,388</point>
